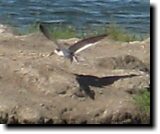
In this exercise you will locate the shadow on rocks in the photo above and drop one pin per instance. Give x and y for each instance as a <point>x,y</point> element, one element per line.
<point>85,81</point>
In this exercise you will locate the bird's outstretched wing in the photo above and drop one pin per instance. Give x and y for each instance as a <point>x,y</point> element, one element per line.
<point>48,35</point>
<point>85,43</point>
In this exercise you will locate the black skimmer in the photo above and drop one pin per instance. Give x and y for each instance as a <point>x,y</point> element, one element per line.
<point>73,49</point>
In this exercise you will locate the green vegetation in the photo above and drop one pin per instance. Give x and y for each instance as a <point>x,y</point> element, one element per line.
<point>113,30</point>
<point>33,28</point>
<point>62,31</point>
<point>59,31</point>
<point>120,34</point>
<point>142,100</point>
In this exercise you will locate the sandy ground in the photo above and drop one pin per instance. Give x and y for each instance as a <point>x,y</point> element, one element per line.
<point>36,87</point>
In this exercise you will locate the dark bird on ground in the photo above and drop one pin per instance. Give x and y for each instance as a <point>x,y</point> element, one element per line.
<point>77,47</point>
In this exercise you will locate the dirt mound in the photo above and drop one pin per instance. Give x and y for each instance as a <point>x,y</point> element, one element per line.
<point>123,62</point>
<point>36,87</point>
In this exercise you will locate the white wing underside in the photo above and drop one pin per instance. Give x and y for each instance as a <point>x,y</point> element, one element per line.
<point>85,47</point>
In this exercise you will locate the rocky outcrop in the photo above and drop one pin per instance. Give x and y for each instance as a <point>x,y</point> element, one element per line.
<point>37,87</point>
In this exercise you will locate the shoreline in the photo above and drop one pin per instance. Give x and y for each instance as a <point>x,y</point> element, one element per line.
<point>66,32</point>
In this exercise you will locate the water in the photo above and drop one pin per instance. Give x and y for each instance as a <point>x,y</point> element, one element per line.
<point>134,15</point>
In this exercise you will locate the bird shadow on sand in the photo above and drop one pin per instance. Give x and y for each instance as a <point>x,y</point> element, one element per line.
<point>85,81</point>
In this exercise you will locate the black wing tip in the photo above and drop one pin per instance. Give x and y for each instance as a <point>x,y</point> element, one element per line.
<point>44,30</point>
<point>41,27</point>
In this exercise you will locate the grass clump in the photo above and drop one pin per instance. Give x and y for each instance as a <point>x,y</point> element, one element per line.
<point>33,28</point>
<point>120,34</point>
<point>142,100</point>
<point>58,31</point>
<point>63,32</point>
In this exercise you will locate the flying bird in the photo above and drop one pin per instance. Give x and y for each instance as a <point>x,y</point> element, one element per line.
<point>77,47</point>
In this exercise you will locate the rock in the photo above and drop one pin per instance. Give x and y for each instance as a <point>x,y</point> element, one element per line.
<point>79,94</point>
<point>2,28</point>
<point>12,119</point>
<point>123,62</point>
<point>5,29</point>
<point>29,115</point>
<point>61,91</point>
<point>3,117</point>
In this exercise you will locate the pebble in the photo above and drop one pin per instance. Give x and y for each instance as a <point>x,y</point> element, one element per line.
<point>14,59</point>
<point>100,92</point>
<point>42,105</point>
<point>28,115</point>
<point>20,51</point>
<point>79,94</point>
<point>50,54</point>
<point>2,54</point>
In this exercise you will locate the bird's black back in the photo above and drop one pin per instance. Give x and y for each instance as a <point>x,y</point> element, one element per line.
<point>86,41</point>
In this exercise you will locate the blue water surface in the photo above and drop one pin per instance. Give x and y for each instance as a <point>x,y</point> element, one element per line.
<point>134,15</point>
